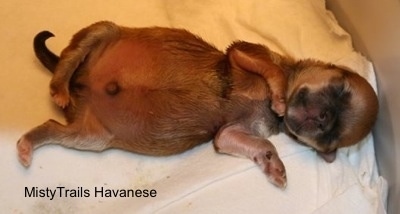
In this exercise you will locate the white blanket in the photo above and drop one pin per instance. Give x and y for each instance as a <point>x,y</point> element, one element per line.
<point>198,181</point>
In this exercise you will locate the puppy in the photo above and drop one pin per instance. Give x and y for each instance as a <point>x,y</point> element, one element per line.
<point>162,91</point>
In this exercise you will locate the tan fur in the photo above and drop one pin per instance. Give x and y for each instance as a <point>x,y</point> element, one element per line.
<point>162,91</point>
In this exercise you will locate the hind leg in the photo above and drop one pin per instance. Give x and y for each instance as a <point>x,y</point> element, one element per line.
<point>52,132</point>
<point>236,140</point>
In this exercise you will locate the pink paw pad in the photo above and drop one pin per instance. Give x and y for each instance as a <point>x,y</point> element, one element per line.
<point>274,169</point>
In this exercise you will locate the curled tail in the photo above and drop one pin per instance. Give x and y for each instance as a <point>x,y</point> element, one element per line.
<point>45,56</point>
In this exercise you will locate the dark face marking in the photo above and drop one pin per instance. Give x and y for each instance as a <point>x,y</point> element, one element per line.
<point>317,115</point>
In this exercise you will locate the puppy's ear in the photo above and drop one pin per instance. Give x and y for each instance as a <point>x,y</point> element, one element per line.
<point>73,55</point>
<point>259,59</point>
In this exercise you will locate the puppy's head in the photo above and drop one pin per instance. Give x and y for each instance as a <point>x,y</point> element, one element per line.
<point>328,107</point>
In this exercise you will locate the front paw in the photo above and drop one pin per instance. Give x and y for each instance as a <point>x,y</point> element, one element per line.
<point>25,150</point>
<point>273,168</point>
<point>278,105</point>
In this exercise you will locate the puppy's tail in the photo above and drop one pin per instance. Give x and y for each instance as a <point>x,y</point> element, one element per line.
<point>45,56</point>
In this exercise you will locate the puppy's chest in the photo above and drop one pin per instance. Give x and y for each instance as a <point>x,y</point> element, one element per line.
<point>264,127</point>
<point>253,115</point>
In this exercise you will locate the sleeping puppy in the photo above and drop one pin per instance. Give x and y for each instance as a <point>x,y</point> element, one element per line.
<point>162,91</point>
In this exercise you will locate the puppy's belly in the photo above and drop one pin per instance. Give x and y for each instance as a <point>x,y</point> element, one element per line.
<point>150,105</point>
<point>158,121</point>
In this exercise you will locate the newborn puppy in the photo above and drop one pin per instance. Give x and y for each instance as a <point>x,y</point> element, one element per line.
<point>162,91</point>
